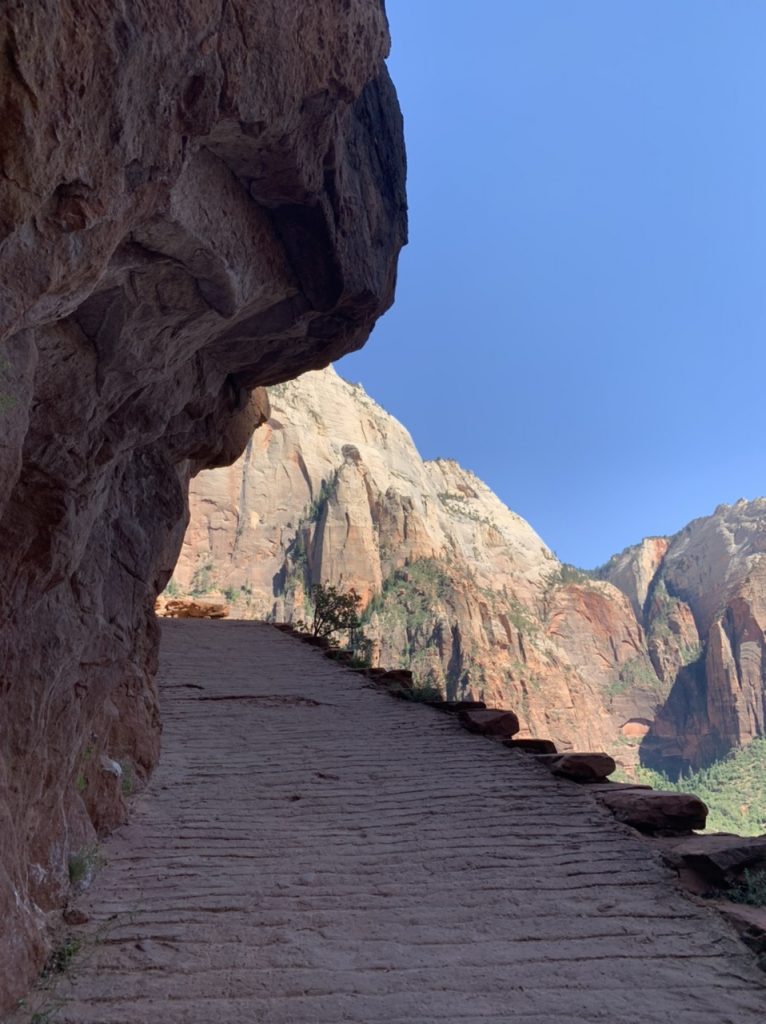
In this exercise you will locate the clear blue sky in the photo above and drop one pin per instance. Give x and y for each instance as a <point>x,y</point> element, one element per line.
<point>581,311</point>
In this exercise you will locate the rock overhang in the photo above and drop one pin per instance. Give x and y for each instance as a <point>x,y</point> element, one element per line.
<point>209,198</point>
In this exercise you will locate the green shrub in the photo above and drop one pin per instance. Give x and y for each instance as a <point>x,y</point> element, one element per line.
<point>126,783</point>
<point>202,580</point>
<point>361,647</point>
<point>62,956</point>
<point>334,611</point>
<point>733,788</point>
<point>423,692</point>
<point>751,889</point>
<point>84,864</point>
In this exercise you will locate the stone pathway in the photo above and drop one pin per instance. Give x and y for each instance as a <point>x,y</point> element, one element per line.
<point>311,851</point>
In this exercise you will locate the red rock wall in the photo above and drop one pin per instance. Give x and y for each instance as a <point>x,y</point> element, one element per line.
<point>195,199</point>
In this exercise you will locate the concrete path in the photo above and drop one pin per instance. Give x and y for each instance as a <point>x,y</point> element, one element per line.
<point>312,851</point>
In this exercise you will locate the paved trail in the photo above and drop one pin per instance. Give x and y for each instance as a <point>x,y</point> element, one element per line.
<point>313,852</point>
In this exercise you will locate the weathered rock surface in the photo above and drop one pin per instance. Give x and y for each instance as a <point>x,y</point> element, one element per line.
<point>188,608</point>
<point>705,621</point>
<point>655,811</point>
<point>657,654</point>
<point>195,199</point>
<point>579,766</point>
<point>495,723</point>
<point>480,889</point>
<point>456,585</point>
<point>721,859</point>
<point>634,570</point>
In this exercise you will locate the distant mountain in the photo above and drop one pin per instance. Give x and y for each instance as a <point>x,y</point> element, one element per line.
<point>645,654</point>
<point>701,598</point>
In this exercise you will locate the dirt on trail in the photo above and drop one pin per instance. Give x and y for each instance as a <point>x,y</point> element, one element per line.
<point>311,851</point>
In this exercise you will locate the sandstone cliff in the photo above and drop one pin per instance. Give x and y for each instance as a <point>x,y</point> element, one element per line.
<point>705,614</point>
<point>455,585</point>
<point>657,656</point>
<point>195,199</point>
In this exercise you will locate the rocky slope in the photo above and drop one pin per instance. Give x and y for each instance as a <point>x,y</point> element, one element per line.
<point>195,199</point>
<point>455,585</point>
<point>658,655</point>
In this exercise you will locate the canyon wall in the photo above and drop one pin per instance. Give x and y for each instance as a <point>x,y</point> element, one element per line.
<point>656,656</point>
<point>455,585</point>
<point>705,610</point>
<point>196,199</point>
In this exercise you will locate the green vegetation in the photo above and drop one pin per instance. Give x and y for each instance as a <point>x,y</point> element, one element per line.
<point>231,594</point>
<point>298,552</point>
<point>43,1016</point>
<point>409,613</point>
<point>408,594</point>
<point>566,574</point>
<point>423,692</point>
<point>127,781</point>
<point>315,508</point>
<point>637,674</point>
<point>734,789</point>
<point>457,504</point>
<point>171,590</point>
<point>334,611</point>
<point>202,580</point>
<point>521,618</point>
<point>361,646</point>
<point>519,671</point>
<point>662,605</point>
<point>84,864</point>
<point>81,783</point>
<point>6,401</point>
<point>62,956</point>
<point>750,889</point>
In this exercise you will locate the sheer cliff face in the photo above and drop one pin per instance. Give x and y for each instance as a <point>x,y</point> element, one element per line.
<point>658,655</point>
<point>195,199</point>
<point>456,585</point>
<point>706,617</point>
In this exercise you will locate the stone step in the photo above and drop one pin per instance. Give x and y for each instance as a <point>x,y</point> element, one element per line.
<point>584,766</point>
<point>656,811</point>
<point>495,723</point>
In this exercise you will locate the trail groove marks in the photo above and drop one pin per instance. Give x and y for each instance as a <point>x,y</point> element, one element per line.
<point>317,853</point>
<point>267,701</point>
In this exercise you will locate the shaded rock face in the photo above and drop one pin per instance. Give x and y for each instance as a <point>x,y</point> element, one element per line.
<point>634,570</point>
<point>195,199</point>
<point>715,570</point>
<point>455,585</point>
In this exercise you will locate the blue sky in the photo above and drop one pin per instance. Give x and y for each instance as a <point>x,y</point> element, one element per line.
<point>581,310</point>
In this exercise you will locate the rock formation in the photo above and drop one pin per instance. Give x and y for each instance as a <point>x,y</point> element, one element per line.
<point>657,655</point>
<point>195,199</point>
<point>705,617</point>
<point>455,585</point>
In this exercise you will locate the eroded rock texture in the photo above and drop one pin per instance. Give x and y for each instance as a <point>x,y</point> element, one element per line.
<point>456,585</point>
<point>659,655</point>
<point>715,572</point>
<point>195,199</point>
